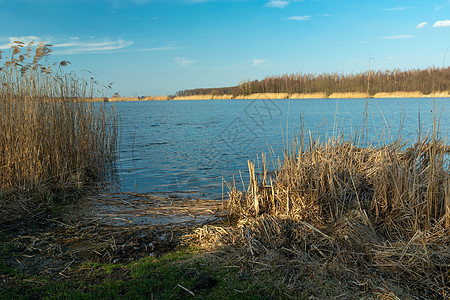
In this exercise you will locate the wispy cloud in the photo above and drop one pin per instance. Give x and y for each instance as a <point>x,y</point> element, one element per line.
<point>24,39</point>
<point>92,46</point>
<point>398,37</point>
<point>299,18</point>
<point>421,25</point>
<point>277,3</point>
<point>258,62</point>
<point>443,23</point>
<point>76,45</point>
<point>397,8</point>
<point>183,62</point>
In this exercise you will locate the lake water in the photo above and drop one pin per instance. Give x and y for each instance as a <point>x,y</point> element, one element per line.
<point>187,147</point>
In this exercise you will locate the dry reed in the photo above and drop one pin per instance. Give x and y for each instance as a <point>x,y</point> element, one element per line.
<point>416,94</point>
<point>264,96</point>
<point>308,96</point>
<point>51,143</point>
<point>205,97</point>
<point>379,215</point>
<point>348,95</point>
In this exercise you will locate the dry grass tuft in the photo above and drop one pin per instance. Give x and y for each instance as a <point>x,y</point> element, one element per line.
<point>205,97</point>
<point>264,96</point>
<point>416,94</point>
<point>374,218</point>
<point>51,143</point>
<point>308,96</point>
<point>348,95</point>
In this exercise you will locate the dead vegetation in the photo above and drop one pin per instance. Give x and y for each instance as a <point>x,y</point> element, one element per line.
<point>374,219</point>
<point>52,144</point>
<point>106,228</point>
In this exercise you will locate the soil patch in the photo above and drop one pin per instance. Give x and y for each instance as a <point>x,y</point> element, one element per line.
<point>108,228</point>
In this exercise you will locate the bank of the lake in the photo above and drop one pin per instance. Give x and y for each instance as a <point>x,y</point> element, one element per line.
<point>274,96</point>
<point>336,220</point>
<point>318,95</point>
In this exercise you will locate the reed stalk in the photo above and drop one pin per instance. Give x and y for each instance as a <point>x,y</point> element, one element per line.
<point>52,143</point>
<point>354,210</point>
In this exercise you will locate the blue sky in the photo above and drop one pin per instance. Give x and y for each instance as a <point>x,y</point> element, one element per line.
<point>161,46</point>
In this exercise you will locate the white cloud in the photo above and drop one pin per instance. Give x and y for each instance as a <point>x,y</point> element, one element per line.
<point>277,3</point>
<point>182,61</point>
<point>258,62</point>
<point>393,57</point>
<point>24,39</point>
<point>398,8</point>
<point>76,47</point>
<point>397,37</point>
<point>299,18</point>
<point>443,23</point>
<point>421,25</point>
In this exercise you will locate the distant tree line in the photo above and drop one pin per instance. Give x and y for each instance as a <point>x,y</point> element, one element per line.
<point>425,81</point>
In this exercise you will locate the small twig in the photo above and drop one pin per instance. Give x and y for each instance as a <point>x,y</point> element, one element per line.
<point>316,230</point>
<point>68,265</point>
<point>187,290</point>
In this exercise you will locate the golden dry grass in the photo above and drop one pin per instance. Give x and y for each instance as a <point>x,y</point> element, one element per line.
<point>399,95</point>
<point>194,97</point>
<point>51,143</point>
<point>438,94</point>
<point>308,96</point>
<point>146,98</point>
<point>264,96</point>
<point>374,218</point>
<point>205,97</point>
<point>353,95</point>
<point>348,95</point>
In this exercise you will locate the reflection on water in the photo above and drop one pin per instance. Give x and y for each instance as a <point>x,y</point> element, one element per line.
<point>189,146</point>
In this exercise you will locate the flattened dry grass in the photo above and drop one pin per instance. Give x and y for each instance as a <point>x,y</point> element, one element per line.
<point>374,219</point>
<point>51,143</point>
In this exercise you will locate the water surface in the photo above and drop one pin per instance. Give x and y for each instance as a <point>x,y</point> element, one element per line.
<point>189,146</point>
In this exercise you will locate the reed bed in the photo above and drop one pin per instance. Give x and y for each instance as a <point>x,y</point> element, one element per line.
<point>146,98</point>
<point>373,218</point>
<point>416,94</point>
<point>51,143</point>
<point>264,96</point>
<point>308,96</point>
<point>348,95</point>
<point>205,97</point>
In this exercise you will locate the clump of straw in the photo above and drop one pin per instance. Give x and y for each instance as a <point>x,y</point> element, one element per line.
<point>51,142</point>
<point>350,212</point>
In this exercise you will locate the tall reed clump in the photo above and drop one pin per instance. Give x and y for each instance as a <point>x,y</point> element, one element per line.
<point>51,141</point>
<point>370,215</point>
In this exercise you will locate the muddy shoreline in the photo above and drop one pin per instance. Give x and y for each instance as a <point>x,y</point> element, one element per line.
<point>105,228</point>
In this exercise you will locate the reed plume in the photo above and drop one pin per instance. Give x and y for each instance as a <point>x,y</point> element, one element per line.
<point>52,142</point>
<point>359,212</point>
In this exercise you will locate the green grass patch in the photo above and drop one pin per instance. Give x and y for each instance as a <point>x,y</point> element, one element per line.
<point>165,277</point>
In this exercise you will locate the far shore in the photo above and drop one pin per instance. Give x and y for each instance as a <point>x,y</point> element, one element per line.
<point>273,96</point>
<point>317,96</point>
